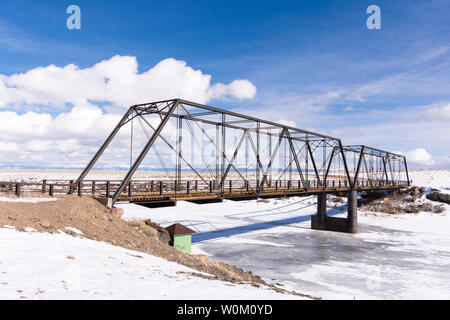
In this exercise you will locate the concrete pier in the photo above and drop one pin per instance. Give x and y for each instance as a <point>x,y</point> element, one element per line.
<point>320,221</point>
<point>352,211</point>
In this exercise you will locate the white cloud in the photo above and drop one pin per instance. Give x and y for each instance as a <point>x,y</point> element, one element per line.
<point>240,89</point>
<point>419,156</point>
<point>8,146</point>
<point>287,122</point>
<point>70,137</point>
<point>349,108</point>
<point>438,113</point>
<point>80,122</point>
<point>117,81</point>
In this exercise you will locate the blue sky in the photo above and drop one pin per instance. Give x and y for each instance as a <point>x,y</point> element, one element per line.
<point>314,63</point>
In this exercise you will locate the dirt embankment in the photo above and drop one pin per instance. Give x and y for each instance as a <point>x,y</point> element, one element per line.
<point>98,223</point>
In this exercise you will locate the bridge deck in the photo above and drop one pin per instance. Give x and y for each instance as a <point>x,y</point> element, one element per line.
<point>148,197</point>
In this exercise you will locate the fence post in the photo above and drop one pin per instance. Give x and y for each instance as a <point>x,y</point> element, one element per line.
<point>188,186</point>
<point>108,188</point>
<point>80,189</point>
<point>93,187</point>
<point>160,188</point>
<point>71,187</point>
<point>44,185</point>
<point>18,189</point>
<point>51,190</point>
<point>130,187</point>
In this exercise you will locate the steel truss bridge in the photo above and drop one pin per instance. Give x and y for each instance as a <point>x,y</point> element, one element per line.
<point>216,154</point>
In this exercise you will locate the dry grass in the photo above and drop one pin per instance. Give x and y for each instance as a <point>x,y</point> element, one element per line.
<point>401,202</point>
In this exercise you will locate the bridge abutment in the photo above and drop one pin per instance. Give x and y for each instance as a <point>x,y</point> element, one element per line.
<point>320,221</point>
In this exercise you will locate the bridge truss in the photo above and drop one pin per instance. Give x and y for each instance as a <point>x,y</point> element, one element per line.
<point>206,152</point>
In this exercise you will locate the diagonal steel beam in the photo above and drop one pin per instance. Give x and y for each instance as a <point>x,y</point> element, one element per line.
<point>104,146</point>
<point>143,153</point>
<point>369,170</point>
<point>272,158</point>
<point>329,165</point>
<point>289,164</point>
<point>227,170</point>
<point>311,154</point>
<point>214,144</point>
<point>255,151</point>
<point>391,170</point>
<point>406,169</point>
<point>156,151</point>
<point>344,160</point>
<point>200,148</point>
<point>174,150</point>
<point>385,170</point>
<point>297,163</point>
<point>361,155</point>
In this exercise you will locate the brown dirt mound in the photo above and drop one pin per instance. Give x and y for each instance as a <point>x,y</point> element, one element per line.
<point>96,222</point>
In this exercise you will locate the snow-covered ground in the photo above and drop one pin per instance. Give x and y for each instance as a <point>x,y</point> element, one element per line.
<point>438,179</point>
<point>26,199</point>
<point>392,256</point>
<point>58,266</point>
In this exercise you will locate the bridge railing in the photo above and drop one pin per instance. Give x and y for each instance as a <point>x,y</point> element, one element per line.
<point>105,188</point>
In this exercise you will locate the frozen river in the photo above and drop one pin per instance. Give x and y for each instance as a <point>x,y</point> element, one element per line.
<point>392,257</point>
<point>377,263</point>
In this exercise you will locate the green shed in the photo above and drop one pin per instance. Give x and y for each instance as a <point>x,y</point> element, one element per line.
<point>180,237</point>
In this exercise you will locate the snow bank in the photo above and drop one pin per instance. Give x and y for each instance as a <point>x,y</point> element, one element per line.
<point>31,200</point>
<point>438,179</point>
<point>58,266</point>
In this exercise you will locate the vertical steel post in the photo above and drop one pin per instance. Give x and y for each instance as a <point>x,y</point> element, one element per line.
<point>258,126</point>
<point>217,153</point>
<point>80,188</point>
<point>179,151</point>
<point>406,168</point>
<point>224,156</point>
